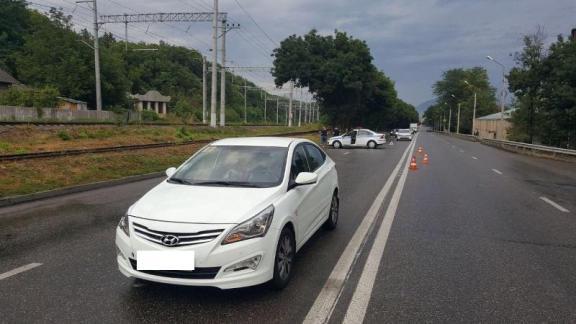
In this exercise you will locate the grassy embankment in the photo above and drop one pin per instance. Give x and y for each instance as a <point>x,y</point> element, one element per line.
<point>28,176</point>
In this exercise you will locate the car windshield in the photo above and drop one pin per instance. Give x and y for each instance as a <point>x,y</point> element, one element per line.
<point>234,166</point>
<point>404,131</point>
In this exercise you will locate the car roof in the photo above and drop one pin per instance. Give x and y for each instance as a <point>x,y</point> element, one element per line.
<point>258,141</point>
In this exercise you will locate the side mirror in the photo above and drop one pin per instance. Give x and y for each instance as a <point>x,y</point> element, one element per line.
<point>306,178</point>
<point>170,171</point>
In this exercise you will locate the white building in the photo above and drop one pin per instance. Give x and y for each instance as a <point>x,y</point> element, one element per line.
<point>153,101</point>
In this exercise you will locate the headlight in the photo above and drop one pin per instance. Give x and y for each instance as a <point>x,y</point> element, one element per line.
<point>124,225</point>
<point>256,226</point>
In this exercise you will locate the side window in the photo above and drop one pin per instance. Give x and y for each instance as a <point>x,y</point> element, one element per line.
<point>315,157</point>
<point>299,162</point>
<point>363,133</point>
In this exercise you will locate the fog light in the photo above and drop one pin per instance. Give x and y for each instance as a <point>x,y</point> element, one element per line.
<point>251,264</point>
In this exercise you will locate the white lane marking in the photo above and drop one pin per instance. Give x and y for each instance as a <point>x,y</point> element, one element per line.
<point>346,153</point>
<point>18,270</point>
<point>475,158</point>
<point>497,171</point>
<point>327,299</point>
<point>359,302</point>
<point>555,205</point>
<point>461,151</point>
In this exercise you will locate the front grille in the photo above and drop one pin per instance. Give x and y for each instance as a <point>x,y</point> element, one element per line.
<point>183,238</point>
<point>197,273</point>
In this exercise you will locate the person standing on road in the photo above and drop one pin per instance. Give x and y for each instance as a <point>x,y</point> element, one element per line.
<point>324,136</point>
<point>336,131</point>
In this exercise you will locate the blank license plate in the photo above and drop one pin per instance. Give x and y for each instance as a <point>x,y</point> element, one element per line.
<point>165,260</point>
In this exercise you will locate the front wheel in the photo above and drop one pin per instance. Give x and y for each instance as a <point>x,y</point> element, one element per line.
<point>337,145</point>
<point>285,252</point>
<point>332,220</point>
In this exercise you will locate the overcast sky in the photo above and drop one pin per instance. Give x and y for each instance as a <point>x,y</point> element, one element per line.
<point>412,41</point>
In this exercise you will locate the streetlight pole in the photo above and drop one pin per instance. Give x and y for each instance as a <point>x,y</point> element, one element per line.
<point>458,120</point>
<point>474,107</point>
<point>490,58</point>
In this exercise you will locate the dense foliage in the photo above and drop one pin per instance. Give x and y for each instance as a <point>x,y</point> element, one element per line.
<point>339,71</point>
<point>453,89</point>
<point>544,83</point>
<point>45,51</point>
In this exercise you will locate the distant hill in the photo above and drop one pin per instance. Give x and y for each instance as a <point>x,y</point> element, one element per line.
<point>421,108</point>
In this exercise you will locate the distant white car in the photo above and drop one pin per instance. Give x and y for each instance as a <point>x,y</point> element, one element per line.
<point>404,134</point>
<point>234,215</point>
<point>358,138</point>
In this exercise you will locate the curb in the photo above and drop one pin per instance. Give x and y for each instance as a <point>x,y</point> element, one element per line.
<point>14,200</point>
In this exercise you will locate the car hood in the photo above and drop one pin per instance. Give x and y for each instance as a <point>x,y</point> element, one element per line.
<point>202,204</point>
<point>336,137</point>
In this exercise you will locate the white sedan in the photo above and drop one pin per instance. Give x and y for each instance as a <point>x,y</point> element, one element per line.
<point>404,134</point>
<point>358,138</point>
<point>233,215</point>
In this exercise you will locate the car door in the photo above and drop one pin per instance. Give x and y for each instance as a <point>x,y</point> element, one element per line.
<point>320,193</point>
<point>304,203</point>
<point>363,137</point>
<point>347,139</point>
<point>353,138</point>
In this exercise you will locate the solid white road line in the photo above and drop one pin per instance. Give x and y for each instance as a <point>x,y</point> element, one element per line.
<point>346,153</point>
<point>324,304</point>
<point>555,205</point>
<point>475,158</point>
<point>497,171</point>
<point>359,302</point>
<point>19,270</point>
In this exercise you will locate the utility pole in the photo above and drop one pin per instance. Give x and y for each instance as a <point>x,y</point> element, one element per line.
<point>290,104</point>
<point>125,34</point>
<point>96,54</point>
<point>223,78</point>
<point>225,29</point>
<point>474,115</point>
<point>214,65</point>
<point>277,110</point>
<point>204,89</point>
<point>458,120</point>
<point>300,110</point>
<point>265,103</point>
<point>245,89</point>
<point>450,120</point>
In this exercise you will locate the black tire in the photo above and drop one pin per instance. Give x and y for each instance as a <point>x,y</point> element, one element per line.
<point>332,220</point>
<point>337,145</point>
<point>284,259</point>
<point>372,145</point>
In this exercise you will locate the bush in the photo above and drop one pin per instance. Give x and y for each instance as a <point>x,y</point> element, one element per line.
<point>148,115</point>
<point>64,135</point>
<point>182,133</point>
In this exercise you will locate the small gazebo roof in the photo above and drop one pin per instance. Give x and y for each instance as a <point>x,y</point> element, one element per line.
<point>151,95</point>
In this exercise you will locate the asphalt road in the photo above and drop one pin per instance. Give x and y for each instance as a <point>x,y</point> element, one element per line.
<point>471,240</point>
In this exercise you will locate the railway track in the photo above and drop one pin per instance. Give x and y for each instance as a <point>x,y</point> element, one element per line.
<point>51,154</point>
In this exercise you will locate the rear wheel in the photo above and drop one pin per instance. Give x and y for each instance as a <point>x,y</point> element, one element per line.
<point>337,144</point>
<point>285,252</point>
<point>332,220</point>
<point>372,144</point>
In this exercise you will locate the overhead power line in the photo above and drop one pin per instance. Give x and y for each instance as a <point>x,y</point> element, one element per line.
<point>255,23</point>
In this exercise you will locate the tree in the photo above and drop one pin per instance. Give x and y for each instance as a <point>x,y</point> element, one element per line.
<point>525,83</point>
<point>338,69</point>
<point>183,110</point>
<point>453,90</point>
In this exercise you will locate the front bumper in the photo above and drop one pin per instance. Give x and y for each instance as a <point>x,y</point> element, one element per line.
<point>211,255</point>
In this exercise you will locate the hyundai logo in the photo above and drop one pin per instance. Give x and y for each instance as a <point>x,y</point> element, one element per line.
<point>170,240</point>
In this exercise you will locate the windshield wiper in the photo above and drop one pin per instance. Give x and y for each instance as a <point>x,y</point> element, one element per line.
<point>180,181</point>
<point>227,184</point>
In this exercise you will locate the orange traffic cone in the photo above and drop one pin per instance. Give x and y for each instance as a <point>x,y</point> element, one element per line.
<point>413,165</point>
<point>426,160</point>
<point>420,149</point>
